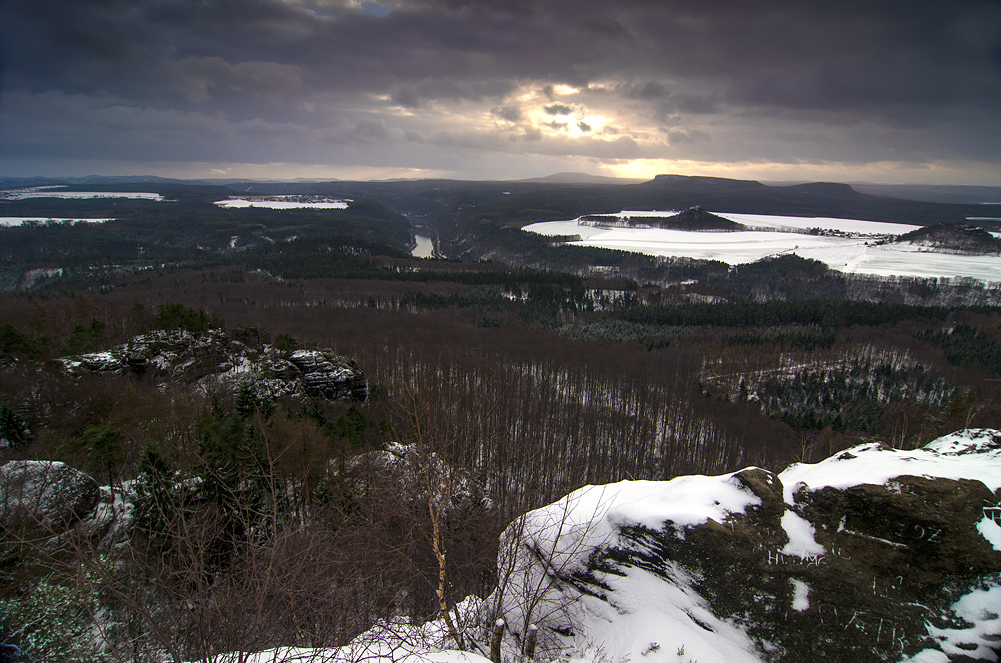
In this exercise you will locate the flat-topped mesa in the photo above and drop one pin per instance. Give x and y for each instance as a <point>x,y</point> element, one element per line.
<point>708,184</point>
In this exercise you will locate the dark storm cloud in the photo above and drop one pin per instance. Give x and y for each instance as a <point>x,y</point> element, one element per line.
<point>509,113</point>
<point>355,73</point>
<point>646,91</point>
<point>416,95</point>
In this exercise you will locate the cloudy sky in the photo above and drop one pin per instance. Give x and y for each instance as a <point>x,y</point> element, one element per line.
<point>877,90</point>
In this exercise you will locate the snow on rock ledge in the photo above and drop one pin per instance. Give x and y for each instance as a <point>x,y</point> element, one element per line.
<point>874,554</point>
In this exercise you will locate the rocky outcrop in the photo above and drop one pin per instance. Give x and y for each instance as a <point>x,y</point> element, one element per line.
<point>405,474</point>
<point>875,554</point>
<point>214,358</point>
<point>40,498</point>
<point>324,373</point>
<point>48,502</point>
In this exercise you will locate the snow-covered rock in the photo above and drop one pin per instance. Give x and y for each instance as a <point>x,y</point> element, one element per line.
<point>43,498</point>
<point>214,358</point>
<point>875,554</point>
<point>326,373</point>
<point>406,472</point>
<point>46,500</point>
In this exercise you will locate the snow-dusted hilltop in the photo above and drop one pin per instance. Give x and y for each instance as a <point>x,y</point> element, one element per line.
<point>875,554</point>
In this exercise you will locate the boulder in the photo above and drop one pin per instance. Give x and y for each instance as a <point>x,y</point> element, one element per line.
<point>875,554</point>
<point>324,373</point>
<point>44,498</point>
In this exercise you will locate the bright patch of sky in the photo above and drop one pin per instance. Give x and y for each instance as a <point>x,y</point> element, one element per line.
<point>632,88</point>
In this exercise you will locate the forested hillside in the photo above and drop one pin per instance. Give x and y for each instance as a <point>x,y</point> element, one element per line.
<point>145,352</point>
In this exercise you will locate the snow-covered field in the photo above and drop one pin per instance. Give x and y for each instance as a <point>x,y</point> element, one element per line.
<point>20,220</point>
<point>49,192</point>
<point>850,245</point>
<point>284,202</point>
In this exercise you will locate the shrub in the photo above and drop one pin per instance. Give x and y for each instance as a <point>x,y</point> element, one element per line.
<point>13,429</point>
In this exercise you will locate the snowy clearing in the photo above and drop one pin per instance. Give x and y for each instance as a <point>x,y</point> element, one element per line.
<point>800,223</point>
<point>849,245</point>
<point>48,192</point>
<point>283,202</point>
<point>21,220</point>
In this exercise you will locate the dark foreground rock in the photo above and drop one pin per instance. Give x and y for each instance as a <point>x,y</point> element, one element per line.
<point>872,555</point>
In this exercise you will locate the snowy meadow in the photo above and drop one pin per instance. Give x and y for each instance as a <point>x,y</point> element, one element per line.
<point>283,202</point>
<point>847,245</point>
<point>50,192</point>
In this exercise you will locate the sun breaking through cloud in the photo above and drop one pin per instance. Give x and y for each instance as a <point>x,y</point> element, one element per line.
<point>777,89</point>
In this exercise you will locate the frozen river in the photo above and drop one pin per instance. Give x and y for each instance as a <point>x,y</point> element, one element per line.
<point>424,248</point>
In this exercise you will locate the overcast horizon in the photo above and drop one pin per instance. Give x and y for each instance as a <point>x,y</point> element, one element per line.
<point>890,92</point>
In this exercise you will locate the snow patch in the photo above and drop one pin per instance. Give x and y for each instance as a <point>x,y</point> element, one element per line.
<point>593,515</point>
<point>424,247</point>
<point>646,606</point>
<point>848,245</point>
<point>982,609</point>
<point>49,192</point>
<point>800,595</point>
<point>991,531</point>
<point>801,535</point>
<point>558,539</point>
<point>21,220</point>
